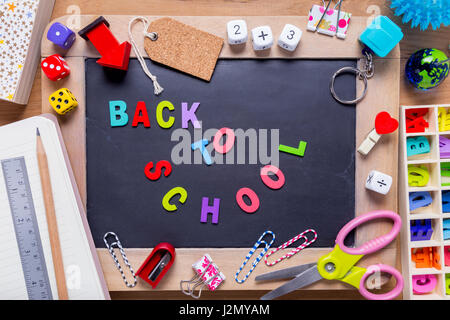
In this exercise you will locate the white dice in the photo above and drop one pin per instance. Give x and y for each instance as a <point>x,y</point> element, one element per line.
<point>237,32</point>
<point>289,37</point>
<point>262,38</point>
<point>378,182</point>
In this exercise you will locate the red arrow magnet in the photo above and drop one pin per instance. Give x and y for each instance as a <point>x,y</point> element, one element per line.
<point>114,54</point>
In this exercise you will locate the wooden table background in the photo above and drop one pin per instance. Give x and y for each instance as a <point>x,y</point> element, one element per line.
<point>412,41</point>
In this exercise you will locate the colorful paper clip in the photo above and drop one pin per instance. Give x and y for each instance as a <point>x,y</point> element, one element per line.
<point>110,248</point>
<point>206,274</point>
<point>295,250</point>
<point>258,258</point>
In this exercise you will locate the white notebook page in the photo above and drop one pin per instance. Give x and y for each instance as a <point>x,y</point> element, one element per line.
<point>19,139</point>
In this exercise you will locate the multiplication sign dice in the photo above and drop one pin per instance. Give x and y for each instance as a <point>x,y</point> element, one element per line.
<point>63,101</point>
<point>379,182</point>
<point>289,37</point>
<point>237,31</point>
<point>60,35</point>
<point>55,67</point>
<point>262,38</point>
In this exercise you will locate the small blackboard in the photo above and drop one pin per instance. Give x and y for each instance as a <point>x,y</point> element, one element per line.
<point>291,95</point>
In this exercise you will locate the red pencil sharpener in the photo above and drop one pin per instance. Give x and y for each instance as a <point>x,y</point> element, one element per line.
<point>157,264</point>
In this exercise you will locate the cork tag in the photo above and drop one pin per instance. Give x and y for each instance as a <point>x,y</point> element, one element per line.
<point>183,47</point>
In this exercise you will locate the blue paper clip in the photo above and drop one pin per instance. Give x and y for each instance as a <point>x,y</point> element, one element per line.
<point>261,255</point>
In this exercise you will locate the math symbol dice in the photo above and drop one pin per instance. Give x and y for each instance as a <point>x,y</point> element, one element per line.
<point>55,67</point>
<point>60,35</point>
<point>289,37</point>
<point>262,38</point>
<point>63,101</point>
<point>237,31</point>
<point>379,182</point>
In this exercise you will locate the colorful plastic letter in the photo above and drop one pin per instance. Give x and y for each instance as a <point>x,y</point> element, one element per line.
<point>253,199</point>
<point>416,125</point>
<point>201,144</point>
<point>160,165</point>
<point>300,151</point>
<point>421,230</point>
<point>169,195</point>
<point>229,142</point>
<point>118,113</point>
<point>189,115</point>
<point>447,256</point>
<point>446,227</point>
<point>141,115</point>
<point>214,210</point>
<point>447,284</point>
<point>417,145</point>
<point>419,199</point>
<point>159,117</point>
<point>423,283</point>
<point>444,147</point>
<point>418,176</point>
<point>446,201</point>
<point>272,184</point>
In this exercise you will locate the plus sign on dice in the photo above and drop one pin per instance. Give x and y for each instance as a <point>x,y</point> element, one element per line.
<point>262,38</point>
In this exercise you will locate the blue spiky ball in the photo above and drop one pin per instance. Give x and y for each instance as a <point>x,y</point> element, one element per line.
<point>423,12</point>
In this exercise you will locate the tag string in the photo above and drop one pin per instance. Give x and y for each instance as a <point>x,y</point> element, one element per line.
<point>152,36</point>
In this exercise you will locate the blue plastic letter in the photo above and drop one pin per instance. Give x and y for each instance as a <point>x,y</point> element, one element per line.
<point>118,113</point>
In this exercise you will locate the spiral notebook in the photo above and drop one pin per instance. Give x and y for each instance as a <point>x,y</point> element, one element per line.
<point>83,272</point>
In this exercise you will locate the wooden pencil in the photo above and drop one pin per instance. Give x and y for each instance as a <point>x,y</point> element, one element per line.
<point>51,218</point>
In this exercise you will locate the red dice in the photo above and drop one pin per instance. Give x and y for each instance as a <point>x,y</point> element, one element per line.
<point>55,67</point>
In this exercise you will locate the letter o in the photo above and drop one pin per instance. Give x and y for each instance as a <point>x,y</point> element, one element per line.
<point>272,184</point>
<point>228,143</point>
<point>253,198</point>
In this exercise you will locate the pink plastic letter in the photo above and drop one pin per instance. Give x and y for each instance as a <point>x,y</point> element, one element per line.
<point>253,198</point>
<point>229,142</point>
<point>272,184</point>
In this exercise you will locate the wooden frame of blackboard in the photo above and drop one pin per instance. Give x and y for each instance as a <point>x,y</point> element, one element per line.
<point>383,94</point>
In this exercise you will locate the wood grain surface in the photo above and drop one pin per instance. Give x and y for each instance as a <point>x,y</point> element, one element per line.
<point>413,40</point>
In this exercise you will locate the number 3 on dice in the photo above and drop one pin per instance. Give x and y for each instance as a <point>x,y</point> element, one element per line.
<point>289,37</point>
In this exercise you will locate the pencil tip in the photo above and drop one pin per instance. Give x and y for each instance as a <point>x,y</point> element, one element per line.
<point>37,132</point>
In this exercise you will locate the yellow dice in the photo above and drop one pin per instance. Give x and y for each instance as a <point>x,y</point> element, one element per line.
<point>63,101</point>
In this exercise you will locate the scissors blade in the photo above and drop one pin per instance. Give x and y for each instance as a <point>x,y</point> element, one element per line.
<point>285,273</point>
<point>304,279</point>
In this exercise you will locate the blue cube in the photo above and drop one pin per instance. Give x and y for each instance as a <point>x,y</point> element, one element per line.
<point>60,35</point>
<point>381,36</point>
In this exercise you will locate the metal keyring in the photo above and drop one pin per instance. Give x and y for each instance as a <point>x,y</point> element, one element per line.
<point>359,73</point>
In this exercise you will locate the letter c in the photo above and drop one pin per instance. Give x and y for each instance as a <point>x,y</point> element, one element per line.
<point>169,195</point>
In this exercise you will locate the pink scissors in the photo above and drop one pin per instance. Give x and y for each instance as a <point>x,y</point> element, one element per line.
<point>340,263</point>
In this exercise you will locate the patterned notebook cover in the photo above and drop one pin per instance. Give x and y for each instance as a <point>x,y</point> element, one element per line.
<point>16,26</point>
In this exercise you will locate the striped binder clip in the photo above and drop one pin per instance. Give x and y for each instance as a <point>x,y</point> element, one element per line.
<point>207,274</point>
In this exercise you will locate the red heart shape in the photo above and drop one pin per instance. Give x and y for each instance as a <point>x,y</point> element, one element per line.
<point>385,124</point>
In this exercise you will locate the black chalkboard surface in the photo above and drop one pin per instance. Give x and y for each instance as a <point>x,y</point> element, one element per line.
<point>290,95</point>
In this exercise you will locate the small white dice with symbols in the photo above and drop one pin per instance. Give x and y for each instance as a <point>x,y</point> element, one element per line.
<point>289,37</point>
<point>379,182</point>
<point>237,31</point>
<point>262,38</point>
